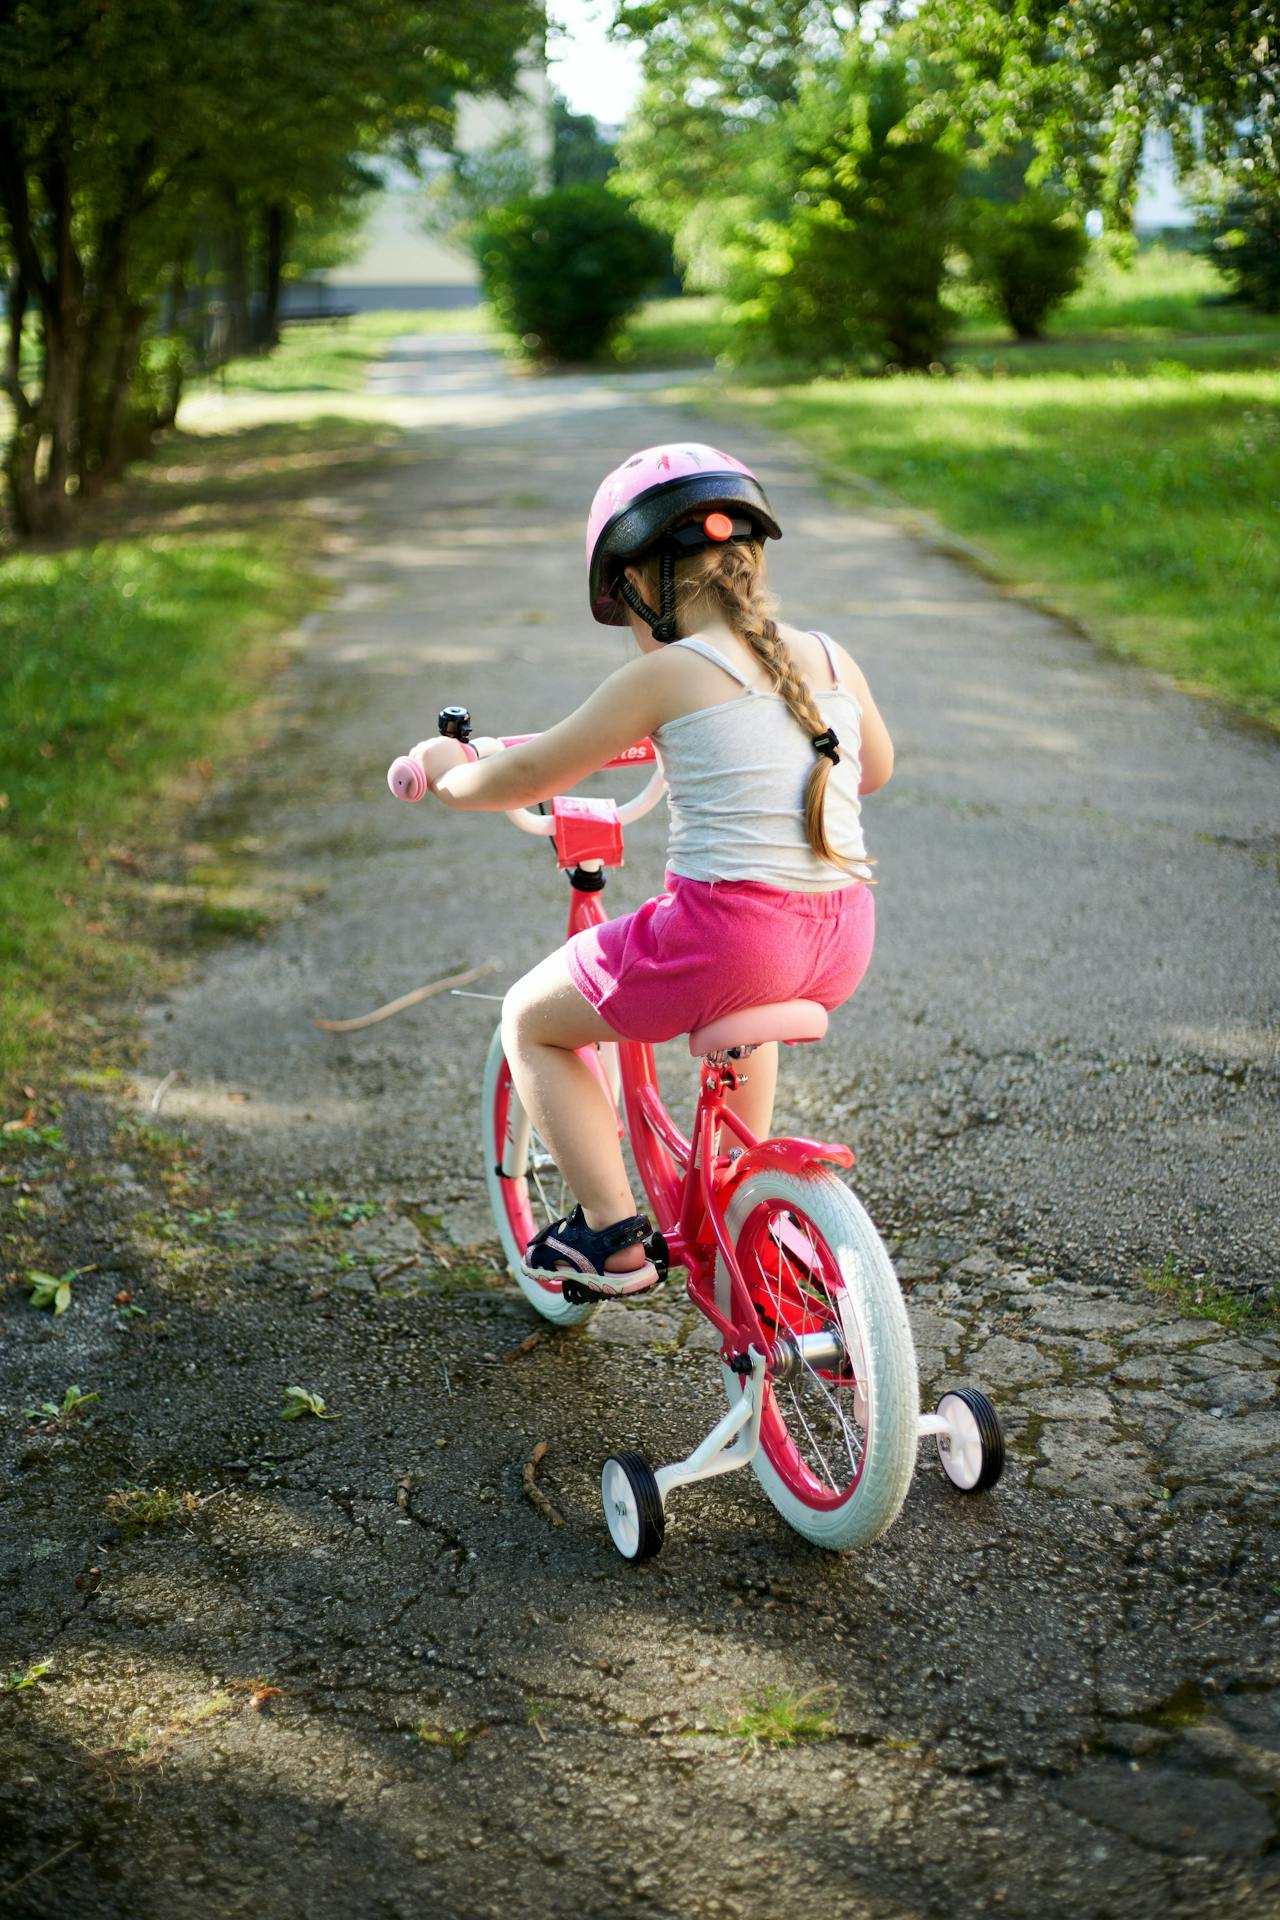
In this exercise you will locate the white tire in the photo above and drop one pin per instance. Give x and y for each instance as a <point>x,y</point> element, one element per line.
<point>525,1203</point>
<point>837,1451</point>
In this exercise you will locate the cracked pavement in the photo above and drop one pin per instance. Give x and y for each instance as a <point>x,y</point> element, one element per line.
<point>368,1677</point>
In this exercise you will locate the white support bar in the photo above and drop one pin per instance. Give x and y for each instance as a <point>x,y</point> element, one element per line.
<point>731,1443</point>
<point>935,1423</point>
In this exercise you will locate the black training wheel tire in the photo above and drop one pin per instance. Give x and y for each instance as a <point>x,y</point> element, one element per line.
<point>632,1506</point>
<point>974,1465</point>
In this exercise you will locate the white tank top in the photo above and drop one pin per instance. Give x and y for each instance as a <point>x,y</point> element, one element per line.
<point>736,775</point>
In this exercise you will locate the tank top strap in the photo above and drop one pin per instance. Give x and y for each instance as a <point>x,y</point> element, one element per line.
<point>828,647</point>
<point>717,659</point>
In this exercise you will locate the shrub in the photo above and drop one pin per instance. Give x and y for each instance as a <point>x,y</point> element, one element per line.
<point>1029,254</point>
<point>564,269</point>
<point>855,267</point>
<point>1242,235</point>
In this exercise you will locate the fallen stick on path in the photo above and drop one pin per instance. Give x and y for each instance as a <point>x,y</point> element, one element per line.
<point>527,1345</point>
<point>157,1098</point>
<point>408,1000</point>
<point>533,1492</point>
<point>397,1266</point>
<point>43,1867</point>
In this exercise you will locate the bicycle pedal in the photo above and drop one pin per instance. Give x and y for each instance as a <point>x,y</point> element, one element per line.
<point>580,1294</point>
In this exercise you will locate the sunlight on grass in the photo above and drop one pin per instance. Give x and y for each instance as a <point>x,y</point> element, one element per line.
<point>1201,1300</point>
<point>123,660</point>
<point>1144,504</point>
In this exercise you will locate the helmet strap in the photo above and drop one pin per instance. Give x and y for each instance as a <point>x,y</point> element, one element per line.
<point>662,623</point>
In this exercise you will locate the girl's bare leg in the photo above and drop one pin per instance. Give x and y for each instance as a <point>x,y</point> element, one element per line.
<point>544,1020</point>
<point>753,1102</point>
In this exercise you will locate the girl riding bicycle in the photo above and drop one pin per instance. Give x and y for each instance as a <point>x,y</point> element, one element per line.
<point>768,735</point>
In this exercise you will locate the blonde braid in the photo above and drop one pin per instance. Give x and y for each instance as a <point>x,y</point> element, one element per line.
<point>732,575</point>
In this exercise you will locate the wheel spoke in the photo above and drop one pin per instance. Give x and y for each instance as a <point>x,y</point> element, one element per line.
<point>813,1442</point>
<point>794,1285</point>
<point>839,1414</point>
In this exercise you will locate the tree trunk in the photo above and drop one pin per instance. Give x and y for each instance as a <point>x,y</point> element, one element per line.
<point>44,428</point>
<point>175,347</point>
<point>273,262</point>
<point>127,429</point>
<point>239,337</point>
<point>64,337</point>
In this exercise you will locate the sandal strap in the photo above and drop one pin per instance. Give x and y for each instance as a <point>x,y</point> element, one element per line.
<point>574,1237</point>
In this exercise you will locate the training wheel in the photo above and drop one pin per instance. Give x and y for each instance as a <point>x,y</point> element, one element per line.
<point>632,1505</point>
<point>972,1453</point>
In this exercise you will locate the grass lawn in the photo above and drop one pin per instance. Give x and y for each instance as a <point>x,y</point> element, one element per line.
<point>1125,470</point>
<point>1143,504</point>
<point>130,660</point>
<point>673,333</point>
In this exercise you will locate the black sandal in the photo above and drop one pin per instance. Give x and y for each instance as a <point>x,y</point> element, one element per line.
<point>571,1247</point>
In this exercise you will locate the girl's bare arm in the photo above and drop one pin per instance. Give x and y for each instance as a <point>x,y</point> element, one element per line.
<point>626,708</point>
<point>877,747</point>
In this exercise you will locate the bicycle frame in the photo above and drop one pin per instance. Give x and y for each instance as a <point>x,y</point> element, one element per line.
<point>687,1181</point>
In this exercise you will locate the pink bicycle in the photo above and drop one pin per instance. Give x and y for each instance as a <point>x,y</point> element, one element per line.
<point>816,1353</point>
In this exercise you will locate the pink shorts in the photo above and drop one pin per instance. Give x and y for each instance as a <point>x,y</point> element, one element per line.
<point>704,948</point>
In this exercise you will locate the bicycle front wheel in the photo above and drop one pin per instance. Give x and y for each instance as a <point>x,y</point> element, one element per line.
<point>525,1188</point>
<point>839,1431</point>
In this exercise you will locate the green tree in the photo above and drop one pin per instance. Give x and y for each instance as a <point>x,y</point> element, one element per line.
<point>717,75</point>
<point>140,142</point>
<point>854,265</point>
<point>580,154</point>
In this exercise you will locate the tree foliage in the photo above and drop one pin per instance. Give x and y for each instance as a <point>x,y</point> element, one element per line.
<point>149,145</point>
<point>850,260</point>
<point>717,75</point>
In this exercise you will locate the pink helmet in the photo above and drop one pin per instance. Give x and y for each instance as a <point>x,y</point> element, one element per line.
<point>647,496</point>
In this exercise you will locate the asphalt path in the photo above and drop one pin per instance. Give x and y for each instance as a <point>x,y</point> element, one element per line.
<point>1059,1077</point>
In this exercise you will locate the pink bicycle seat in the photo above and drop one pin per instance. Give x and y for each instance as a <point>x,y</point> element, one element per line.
<point>786,1020</point>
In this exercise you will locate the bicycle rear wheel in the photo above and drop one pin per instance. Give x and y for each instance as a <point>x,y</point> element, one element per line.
<point>525,1188</point>
<point>838,1434</point>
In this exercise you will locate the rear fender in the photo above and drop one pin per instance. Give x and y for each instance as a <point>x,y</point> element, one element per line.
<point>789,1156</point>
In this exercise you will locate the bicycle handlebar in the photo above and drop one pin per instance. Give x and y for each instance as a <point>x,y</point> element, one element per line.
<point>408,782</point>
<point>630,756</point>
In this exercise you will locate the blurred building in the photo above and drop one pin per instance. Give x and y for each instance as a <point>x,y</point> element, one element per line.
<point>1159,206</point>
<point>399,263</point>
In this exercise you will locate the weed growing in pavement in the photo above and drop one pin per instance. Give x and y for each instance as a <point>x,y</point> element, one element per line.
<point>781,1717</point>
<point>162,1145</point>
<point>534,1709</point>
<point>53,1291</point>
<point>16,1135</point>
<point>328,1211</point>
<point>212,1216</point>
<point>221,919</point>
<point>452,1738</point>
<point>142,1509</point>
<point>72,1402</point>
<point>298,1401</point>
<point>21,1678</point>
<point>150,1744</point>
<point>1200,1300</point>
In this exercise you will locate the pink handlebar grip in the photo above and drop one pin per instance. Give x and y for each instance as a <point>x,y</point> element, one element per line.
<point>406,779</point>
